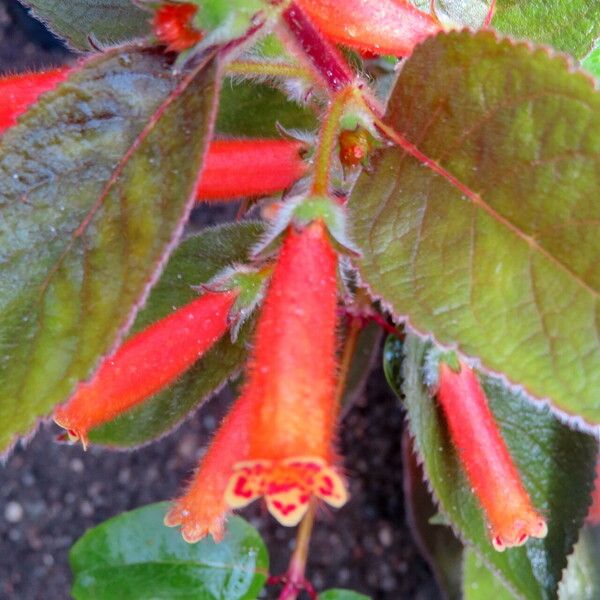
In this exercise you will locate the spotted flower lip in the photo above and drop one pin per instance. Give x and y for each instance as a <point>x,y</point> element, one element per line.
<point>292,376</point>
<point>202,510</point>
<point>493,475</point>
<point>382,26</point>
<point>145,363</point>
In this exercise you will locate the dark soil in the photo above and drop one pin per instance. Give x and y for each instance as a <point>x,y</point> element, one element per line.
<point>51,493</point>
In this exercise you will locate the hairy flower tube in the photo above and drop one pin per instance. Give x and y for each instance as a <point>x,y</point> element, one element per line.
<point>145,363</point>
<point>292,375</point>
<point>202,510</point>
<point>18,92</point>
<point>379,26</point>
<point>490,468</point>
<point>173,27</point>
<point>231,168</point>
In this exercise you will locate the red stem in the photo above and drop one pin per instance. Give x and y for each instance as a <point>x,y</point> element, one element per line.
<point>323,56</point>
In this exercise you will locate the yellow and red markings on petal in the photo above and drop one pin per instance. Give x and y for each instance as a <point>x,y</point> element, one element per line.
<point>173,26</point>
<point>231,168</point>
<point>145,363</point>
<point>18,92</point>
<point>287,486</point>
<point>202,510</point>
<point>493,475</point>
<point>379,26</point>
<point>292,374</point>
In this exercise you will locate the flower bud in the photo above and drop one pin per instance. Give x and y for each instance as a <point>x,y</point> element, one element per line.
<point>173,26</point>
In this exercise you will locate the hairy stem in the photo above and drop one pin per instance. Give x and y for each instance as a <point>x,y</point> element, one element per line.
<point>268,69</point>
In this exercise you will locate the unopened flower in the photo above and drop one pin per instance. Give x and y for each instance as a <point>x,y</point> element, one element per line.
<point>145,363</point>
<point>379,26</point>
<point>203,509</point>
<point>173,26</point>
<point>490,468</point>
<point>292,378</point>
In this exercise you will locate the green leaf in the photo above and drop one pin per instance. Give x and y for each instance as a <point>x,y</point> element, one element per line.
<point>567,25</point>
<point>253,110</point>
<point>195,261</point>
<point>557,466</point>
<point>506,266</point>
<point>135,556</point>
<point>338,594</point>
<point>95,184</point>
<point>581,580</point>
<point>592,61</point>
<point>479,583</point>
<point>109,21</point>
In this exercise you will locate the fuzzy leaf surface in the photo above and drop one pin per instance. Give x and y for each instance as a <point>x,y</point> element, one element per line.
<point>503,264</point>
<point>95,184</point>
<point>108,21</point>
<point>196,260</point>
<point>557,466</point>
<point>581,580</point>
<point>567,25</point>
<point>339,594</point>
<point>135,556</point>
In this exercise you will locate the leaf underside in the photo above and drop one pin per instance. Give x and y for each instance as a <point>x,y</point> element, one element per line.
<point>196,260</point>
<point>504,265</point>
<point>96,182</point>
<point>135,556</point>
<point>557,466</point>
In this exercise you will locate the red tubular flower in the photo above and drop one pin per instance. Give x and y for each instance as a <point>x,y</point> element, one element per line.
<point>173,26</point>
<point>18,92</point>
<point>292,380</point>
<point>145,363</point>
<point>378,26</point>
<point>490,468</point>
<point>251,167</point>
<point>203,509</point>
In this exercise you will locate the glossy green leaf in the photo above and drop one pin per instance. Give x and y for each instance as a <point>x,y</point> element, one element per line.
<point>338,594</point>
<point>479,583</point>
<point>109,21</point>
<point>195,261</point>
<point>135,556</point>
<point>253,110</point>
<point>95,184</point>
<point>557,466</point>
<point>581,580</point>
<point>567,25</point>
<point>506,267</point>
<point>592,62</point>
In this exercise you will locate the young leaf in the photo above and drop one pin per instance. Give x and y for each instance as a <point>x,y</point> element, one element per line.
<point>109,21</point>
<point>557,466</point>
<point>96,182</point>
<point>567,25</point>
<point>499,256</point>
<point>135,556</point>
<point>479,583</point>
<point>195,261</point>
